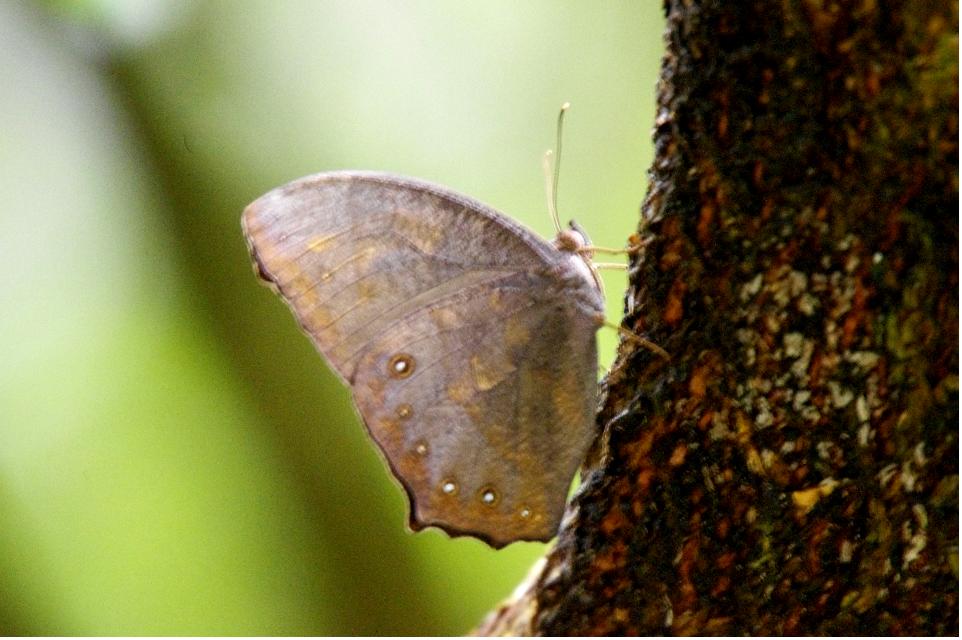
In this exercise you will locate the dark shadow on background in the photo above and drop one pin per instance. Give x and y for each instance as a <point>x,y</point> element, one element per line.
<point>204,217</point>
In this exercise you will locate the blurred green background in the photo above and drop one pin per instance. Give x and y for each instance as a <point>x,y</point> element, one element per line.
<point>174,456</point>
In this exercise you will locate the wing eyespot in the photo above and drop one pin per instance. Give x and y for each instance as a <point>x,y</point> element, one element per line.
<point>400,365</point>
<point>404,411</point>
<point>449,487</point>
<point>488,496</point>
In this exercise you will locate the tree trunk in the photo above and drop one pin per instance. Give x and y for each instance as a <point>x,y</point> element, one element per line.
<point>794,468</point>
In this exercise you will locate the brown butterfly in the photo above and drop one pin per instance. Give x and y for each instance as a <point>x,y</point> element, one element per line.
<point>468,341</point>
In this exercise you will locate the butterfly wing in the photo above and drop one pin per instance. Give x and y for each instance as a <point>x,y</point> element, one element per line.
<point>468,341</point>
<point>492,411</point>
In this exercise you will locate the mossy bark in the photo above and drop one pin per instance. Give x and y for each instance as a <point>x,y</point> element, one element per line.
<point>794,468</point>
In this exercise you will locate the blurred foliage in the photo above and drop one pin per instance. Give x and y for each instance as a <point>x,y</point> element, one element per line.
<point>174,457</point>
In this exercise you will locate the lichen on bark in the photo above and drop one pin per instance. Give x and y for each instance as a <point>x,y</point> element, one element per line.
<point>794,468</point>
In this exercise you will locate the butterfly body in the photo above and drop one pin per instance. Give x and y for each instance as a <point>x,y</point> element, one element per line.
<point>468,341</point>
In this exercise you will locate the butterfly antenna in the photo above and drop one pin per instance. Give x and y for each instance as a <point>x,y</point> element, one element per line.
<point>546,164</point>
<point>551,177</point>
<point>557,161</point>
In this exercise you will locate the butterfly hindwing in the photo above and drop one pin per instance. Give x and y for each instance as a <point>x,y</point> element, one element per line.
<point>482,405</point>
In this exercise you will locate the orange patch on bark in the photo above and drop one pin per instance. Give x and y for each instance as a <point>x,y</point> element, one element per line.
<point>689,556</point>
<point>705,219</point>
<point>705,420</point>
<point>673,306</point>
<point>698,383</point>
<point>678,455</point>
<point>613,521</point>
<point>856,315</point>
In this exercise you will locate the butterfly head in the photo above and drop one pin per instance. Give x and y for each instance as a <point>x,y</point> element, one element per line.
<point>575,241</point>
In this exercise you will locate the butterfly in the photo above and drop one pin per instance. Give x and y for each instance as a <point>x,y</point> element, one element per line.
<point>468,341</point>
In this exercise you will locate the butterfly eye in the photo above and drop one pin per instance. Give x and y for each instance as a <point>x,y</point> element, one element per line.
<point>400,366</point>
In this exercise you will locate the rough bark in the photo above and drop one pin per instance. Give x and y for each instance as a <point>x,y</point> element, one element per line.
<point>794,468</point>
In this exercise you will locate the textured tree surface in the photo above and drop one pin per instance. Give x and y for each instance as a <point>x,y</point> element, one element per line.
<point>794,468</point>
